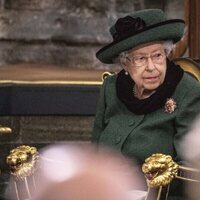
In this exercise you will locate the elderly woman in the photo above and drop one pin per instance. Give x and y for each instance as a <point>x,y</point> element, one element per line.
<point>149,105</point>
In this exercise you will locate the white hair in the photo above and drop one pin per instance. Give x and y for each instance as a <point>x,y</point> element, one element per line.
<point>168,46</point>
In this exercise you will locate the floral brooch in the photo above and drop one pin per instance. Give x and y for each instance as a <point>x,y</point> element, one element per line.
<point>170,105</point>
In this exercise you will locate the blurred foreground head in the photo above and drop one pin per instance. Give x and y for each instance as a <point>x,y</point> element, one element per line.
<point>190,145</point>
<point>190,148</point>
<point>83,173</point>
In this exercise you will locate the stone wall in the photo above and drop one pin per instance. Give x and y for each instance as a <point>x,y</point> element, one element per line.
<point>64,32</point>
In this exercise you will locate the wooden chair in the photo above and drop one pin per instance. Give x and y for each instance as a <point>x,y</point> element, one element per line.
<point>189,65</point>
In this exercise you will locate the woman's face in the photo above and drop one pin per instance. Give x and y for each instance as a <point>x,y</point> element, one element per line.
<point>147,66</point>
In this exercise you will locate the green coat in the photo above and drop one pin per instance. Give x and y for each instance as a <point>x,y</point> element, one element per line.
<point>139,136</point>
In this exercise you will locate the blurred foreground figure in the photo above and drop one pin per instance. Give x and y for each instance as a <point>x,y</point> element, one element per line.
<point>81,173</point>
<point>191,143</point>
<point>190,148</point>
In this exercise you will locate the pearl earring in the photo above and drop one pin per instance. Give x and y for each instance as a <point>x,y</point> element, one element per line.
<point>126,73</point>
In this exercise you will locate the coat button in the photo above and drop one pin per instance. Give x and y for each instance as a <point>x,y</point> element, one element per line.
<point>118,140</point>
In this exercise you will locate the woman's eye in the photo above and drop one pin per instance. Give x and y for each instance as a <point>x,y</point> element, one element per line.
<point>157,55</point>
<point>139,59</point>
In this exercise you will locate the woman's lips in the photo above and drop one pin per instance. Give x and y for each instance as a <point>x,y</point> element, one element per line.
<point>151,77</point>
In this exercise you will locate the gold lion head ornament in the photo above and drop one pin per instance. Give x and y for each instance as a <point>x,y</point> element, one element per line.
<point>23,161</point>
<point>159,170</point>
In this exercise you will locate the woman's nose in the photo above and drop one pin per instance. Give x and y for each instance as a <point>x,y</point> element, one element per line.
<point>150,64</point>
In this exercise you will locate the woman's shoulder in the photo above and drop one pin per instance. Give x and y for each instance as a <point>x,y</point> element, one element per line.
<point>109,84</point>
<point>110,79</point>
<point>187,87</point>
<point>189,82</point>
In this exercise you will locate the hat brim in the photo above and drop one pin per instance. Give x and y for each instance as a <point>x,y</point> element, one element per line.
<point>168,30</point>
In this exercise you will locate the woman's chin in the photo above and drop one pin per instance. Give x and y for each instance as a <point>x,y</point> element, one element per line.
<point>152,86</point>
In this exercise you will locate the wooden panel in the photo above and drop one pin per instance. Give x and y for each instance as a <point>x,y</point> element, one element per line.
<point>194,28</point>
<point>53,99</point>
<point>182,46</point>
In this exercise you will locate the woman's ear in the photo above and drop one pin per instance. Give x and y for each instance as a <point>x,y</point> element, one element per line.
<point>123,62</point>
<point>124,66</point>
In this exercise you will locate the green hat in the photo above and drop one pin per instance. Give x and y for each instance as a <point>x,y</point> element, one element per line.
<point>138,28</point>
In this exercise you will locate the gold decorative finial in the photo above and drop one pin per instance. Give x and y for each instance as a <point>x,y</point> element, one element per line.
<point>159,170</point>
<point>5,130</point>
<point>106,74</point>
<point>23,161</point>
